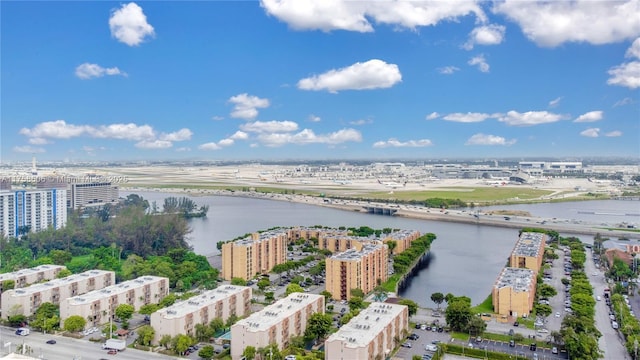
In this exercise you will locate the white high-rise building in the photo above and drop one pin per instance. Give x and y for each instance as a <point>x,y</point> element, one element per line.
<point>22,211</point>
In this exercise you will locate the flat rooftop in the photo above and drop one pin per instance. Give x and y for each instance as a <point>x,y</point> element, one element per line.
<point>365,327</point>
<point>401,234</point>
<point>519,279</point>
<point>196,303</point>
<point>262,237</point>
<point>529,244</point>
<point>25,272</point>
<point>121,288</point>
<point>353,254</point>
<point>278,311</point>
<point>55,283</point>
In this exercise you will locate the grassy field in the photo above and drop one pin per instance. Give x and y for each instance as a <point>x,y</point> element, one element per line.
<point>476,194</point>
<point>485,307</point>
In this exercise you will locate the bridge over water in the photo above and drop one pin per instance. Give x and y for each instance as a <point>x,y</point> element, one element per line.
<point>378,210</point>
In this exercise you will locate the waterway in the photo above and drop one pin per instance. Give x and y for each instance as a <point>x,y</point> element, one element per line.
<point>466,258</point>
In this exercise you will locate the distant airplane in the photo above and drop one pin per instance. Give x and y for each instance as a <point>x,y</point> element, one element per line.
<point>391,184</point>
<point>341,182</point>
<point>597,181</point>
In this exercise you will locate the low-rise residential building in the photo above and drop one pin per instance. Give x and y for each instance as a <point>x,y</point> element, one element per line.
<point>26,277</point>
<point>276,323</point>
<point>181,318</point>
<point>514,291</point>
<point>25,301</point>
<point>99,306</point>
<point>353,269</point>
<point>529,251</point>
<point>372,334</point>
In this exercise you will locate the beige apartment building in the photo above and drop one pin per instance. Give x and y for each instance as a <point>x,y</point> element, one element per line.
<point>354,269</point>
<point>402,238</point>
<point>256,254</point>
<point>370,335</point>
<point>182,317</point>
<point>99,306</point>
<point>514,291</point>
<point>26,277</point>
<point>276,323</point>
<point>26,300</point>
<point>529,251</point>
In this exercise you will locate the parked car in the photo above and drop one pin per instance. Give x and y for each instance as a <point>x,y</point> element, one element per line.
<point>51,342</point>
<point>406,345</point>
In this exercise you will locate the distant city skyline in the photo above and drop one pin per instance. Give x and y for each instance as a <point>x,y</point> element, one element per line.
<point>287,79</point>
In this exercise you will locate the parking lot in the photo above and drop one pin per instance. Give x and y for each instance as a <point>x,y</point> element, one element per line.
<point>418,347</point>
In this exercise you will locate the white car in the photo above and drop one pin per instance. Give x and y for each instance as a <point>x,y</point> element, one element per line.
<point>431,347</point>
<point>543,331</point>
<point>557,314</point>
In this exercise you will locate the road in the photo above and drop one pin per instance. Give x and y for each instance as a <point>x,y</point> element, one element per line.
<point>610,342</point>
<point>67,348</point>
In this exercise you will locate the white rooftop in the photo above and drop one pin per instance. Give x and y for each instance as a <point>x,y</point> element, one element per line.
<point>518,278</point>
<point>278,311</point>
<point>528,244</point>
<point>33,270</point>
<point>195,303</point>
<point>262,237</point>
<point>365,327</point>
<point>354,255</point>
<point>115,289</point>
<point>52,284</point>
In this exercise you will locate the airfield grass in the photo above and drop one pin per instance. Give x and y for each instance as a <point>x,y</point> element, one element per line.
<point>475,194</point>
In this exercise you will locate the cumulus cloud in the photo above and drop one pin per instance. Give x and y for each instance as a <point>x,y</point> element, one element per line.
<point>226,142</point>
<point>361,122</point>
<point>530,118</point>
<point>592,132</point>
<point>485,139</point>
<point>88,71</point>
<point>246,106</point>
<point>348,15</point>
<point>480,62</point>
<point>270,126</point>
<point>393,142</point>
<point>627,75</point>
<point>314,118</point>
<point>591,116</point>
<point>129,25</point>
<point>491,34</point>
<point>432,116</point>
<point>555,102</point>
<point>28,149</point>
<point>448,70</point>
<point>614,133</point>
<point>144,135</point>
<point>551,23</point>
<point>209,146</point>
<point>239,135</point>
<point>308,136</point>
<point>634,50</point>
<point>468,117</point>
<point>372,74</point>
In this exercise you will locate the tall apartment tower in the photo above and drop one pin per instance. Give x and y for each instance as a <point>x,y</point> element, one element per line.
<point>353,269</point>
<point>256,254</point>
<point>92,194</point>
<point>22,211</point>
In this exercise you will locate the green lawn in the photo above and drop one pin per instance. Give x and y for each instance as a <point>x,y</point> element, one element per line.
<point>485,307</point>
<point>479,194</point>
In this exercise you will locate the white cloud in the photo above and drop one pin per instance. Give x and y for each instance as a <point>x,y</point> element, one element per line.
<point>634,50</point>
<point>239,135</point>
<point>128,131</point>
<point>468,117</point>
<point>591,116</point>
<point>551,23</point>
<point>58,129</point>
<point>88,71</point>
<point>361,122</point>
<point>38,141</point>
<point>614,133</point>
<point>209,146</point>
<point>270,126</point>
<point>491,34</point>
<point>372,74</point>
<point>627,75</point>
<point>530,118</point>
<point>485,139</point>
<point>622,102</point>
<point>480,62</point>
<point>448,70</point>
<point>226,142</point>
<point>392,142</point>
<point>129,25</point>
<point>180,135</point>
<point>28,149</point>
<point>217,118</point>
<point>348,15</point>
<point>307,136</point>
<point>183,149</point>
<point>592,132</point>
<point>154,144</point>
<point>555,102</point>
<point>246,106</point>
<point>432,116</point>
<point>314,118</point>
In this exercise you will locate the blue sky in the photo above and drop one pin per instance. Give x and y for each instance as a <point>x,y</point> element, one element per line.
<point>301,79</point>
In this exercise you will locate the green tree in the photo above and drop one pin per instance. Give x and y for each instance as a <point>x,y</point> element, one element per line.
<point>543,310</point>
<point>437,298</point>
<point>180,343</point>
<point>60,257</point>
<point>165,341</point>
<point>203,332</point>
<point>458,314</point>
<point>263,284</point>
<point>124,312</point>
<point>249,352</point>
<point>449,297</point>
<point>145,335</point>
<point>206,352</point>
<point>216,325</point>
<point>476,325</point>
<point>392,245</point>
<point>318,326</point>
<point>148,309</point>
<point>8,285</point>
<point>413,307</point>
<point>74,323</point>
<point>46,311</point>
<point>357,292</point>
<point>238,281</point>
<point>64,273</point>
<point>168,300</point>
<point>231,320</point>
<point>546,291</point>
<point>356,303</point>
<point>293,288</point>
<point>327,296</point>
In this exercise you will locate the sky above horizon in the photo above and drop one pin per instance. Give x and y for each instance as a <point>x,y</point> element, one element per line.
<point>302,79</point>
